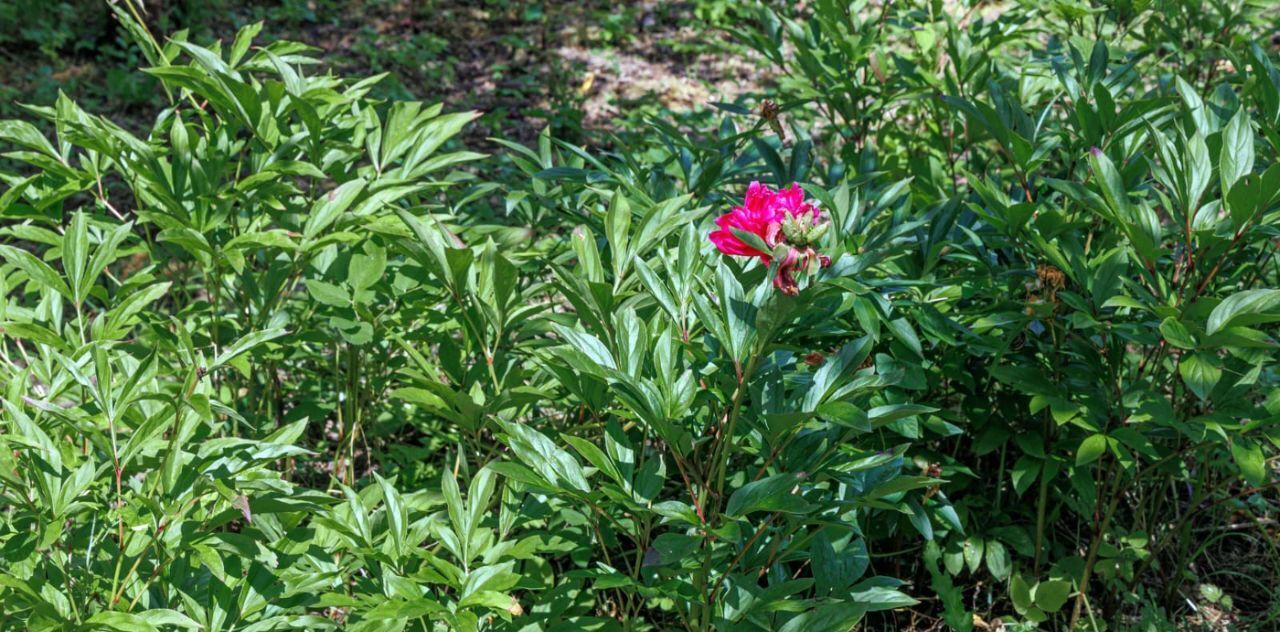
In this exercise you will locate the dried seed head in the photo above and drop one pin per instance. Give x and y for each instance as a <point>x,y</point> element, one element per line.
<point>769,112</point>
<point>1050,277</point>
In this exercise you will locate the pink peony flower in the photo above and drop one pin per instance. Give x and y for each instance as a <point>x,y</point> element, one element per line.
<point>778,218</point>
<point>761,214</point>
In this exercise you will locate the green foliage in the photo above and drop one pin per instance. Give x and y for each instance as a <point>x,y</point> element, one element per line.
<point>283,358</point>
<point>1093,276</point>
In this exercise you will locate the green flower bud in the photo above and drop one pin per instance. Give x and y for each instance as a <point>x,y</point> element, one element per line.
<point>794,231</point>
<point>818,231</point>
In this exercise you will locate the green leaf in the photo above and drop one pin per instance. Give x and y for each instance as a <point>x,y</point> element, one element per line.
<point>520,473</point>
<point>865,311</point>
<point>1176,334</point>
<point>1090,449</point>
<point>972,549</point>
<point>589,345</point>
<point>1019,593</point>
<point>617,226</point>
<point>328,293</point>
<point>1251,194</point>
<point>106,252</point>
<point>1195,105</point>
<point>1112,185</point>
<point>899,484</point>
<point>752,240</point>
<point>1237,149</point>
<point>35,333</point>
<point>997,560</point>
<point>584,245</point>
<point>881,415</point>
<point>365,270</point>
<point>739,314</point>
<point>75,255</point>
<point>878,598</point>
<point>38,271</point>
<point>327,210</point>
<point>1249,458</point>
<point>1024,473</point>
<point>902,330</point>
<point>396,514</point>
<point>598,459</point>
<point>1200,373</point>
<point>773,493</point>
<point>402,609</point>
<point>832,617</point>
<point>1250,307</point>
<point>834,571</point>
<point>246,343</point>
<point>551,462</point>
<point>244,38</point>
<point>657,289</point>
<point>1051,595</point>
<point>1211,593</point>
<point>26,135</point>
<point>123,621</point>
<point>356,332</point>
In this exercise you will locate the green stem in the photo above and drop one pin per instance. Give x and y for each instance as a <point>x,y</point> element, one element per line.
<point>353,409</point>
<point>1042,501</point>
<point>720,460</point>
<point>1091,558</point>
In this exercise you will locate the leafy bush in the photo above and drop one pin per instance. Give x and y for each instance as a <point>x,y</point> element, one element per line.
<point>1005,352</point>
<point>289,277</point>
<point>1095,257</point>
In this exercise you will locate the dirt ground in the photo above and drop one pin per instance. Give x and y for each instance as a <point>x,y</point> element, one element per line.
<point>576,66</point>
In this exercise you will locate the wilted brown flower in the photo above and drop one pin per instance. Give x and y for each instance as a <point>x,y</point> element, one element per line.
<point>1051,278</point>
<point>769,112</point>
